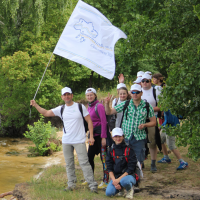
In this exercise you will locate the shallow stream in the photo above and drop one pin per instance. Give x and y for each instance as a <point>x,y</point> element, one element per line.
<point>16,167</point>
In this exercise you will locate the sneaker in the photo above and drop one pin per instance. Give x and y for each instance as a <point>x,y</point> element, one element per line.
<point>103,185</point>
<point>182,165</point>
<point>153,169</point>
<point>94,190</point>
<point>84,183</point>
<point>70,188</point>
<point>164,160</point>
<point>129,194</point>
<point>121,193</point>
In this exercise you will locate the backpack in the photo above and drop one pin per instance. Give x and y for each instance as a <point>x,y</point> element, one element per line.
<point>81,110</point>
<point>136,175</point>
<point>126,107</point>
<point>112,118</point>
<point>159,115</point>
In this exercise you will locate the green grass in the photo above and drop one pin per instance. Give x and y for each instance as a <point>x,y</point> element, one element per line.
<point>54,179</point>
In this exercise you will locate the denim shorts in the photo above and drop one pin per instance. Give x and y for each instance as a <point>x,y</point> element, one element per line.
<point>138,146</point>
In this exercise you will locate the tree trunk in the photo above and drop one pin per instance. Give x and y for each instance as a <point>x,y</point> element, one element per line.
<point>99,81</point>
<point>91,79</point>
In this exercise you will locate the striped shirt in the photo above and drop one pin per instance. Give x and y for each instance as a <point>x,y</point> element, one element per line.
<point>135,117</point>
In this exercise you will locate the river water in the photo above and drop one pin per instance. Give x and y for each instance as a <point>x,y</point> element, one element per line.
<point>16,167</point>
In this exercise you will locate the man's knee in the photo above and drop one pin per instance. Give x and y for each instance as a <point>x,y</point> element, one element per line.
<point>163,136</point>
<point>151,137</point>
<point>171,142</point>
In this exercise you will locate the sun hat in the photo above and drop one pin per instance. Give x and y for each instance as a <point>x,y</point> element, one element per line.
<point>117,132</point>
<point>90,90</point>
<point>148,72</point>
<point>138,80</point>
<point>120,85</point>
<point>146,76</point>
<point>136,87</point>
<point>66,90</point>
<point>140,73</point>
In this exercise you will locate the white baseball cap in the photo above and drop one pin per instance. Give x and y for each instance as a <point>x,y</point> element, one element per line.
<point>117,132</point>
<point>120,85</point>
<point>146,76</point>
<point>136,87</point>
<point>90,90</point>
<point>148,72</point>
<point>140,73</point>
<point>138,80</point>
<point>66,90</point>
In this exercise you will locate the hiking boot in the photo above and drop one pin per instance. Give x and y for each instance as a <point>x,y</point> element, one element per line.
<point>84,183</point>
<point>129,194</point>
<point>164,160</point>
<point>183,165</point>
<point>153,169</point>
<point>103,185</point>
<point>70,188</point>
<point>94,190</point>
<point>121,193</point>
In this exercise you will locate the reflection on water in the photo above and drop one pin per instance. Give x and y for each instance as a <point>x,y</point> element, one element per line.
<point>16,167</point>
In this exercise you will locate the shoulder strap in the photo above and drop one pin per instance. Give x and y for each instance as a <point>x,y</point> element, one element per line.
<point>147,107</point>
<point>61,113</point>
<point>126,153</point>
<point>80,109</point>
<point>96,111</point>
<point>116,101</point>
<point>154,94</point>
<point>125,106</point>
<point>112,152</point>
<point>62,109</point>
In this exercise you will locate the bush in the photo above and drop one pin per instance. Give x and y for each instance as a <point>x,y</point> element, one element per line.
<point>40,134</point>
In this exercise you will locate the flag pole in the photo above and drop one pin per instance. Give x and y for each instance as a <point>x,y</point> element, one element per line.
<point>40,83</point>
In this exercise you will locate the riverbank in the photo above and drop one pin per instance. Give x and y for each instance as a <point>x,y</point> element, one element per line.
<point>15,165</point>
<point>167,183</point>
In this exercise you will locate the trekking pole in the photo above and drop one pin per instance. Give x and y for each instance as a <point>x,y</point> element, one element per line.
<point>40,83</point>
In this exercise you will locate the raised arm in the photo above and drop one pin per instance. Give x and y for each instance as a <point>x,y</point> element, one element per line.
<point>46,113</point>
<point>121,78</point>
<point>109,111</point>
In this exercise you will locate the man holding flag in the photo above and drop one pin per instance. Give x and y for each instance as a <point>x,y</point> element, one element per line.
<point>73,137</point>
<point>88,39</point>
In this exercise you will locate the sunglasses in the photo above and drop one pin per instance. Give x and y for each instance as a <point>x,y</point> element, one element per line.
<point>138,92</point>
<point>147,81</point>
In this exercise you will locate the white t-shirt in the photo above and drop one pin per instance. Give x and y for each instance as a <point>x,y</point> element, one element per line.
<point>73,123</point>
<point>148,96</point>
<point>119,115</point>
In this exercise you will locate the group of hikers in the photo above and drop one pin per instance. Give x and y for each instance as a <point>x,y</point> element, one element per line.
<point>121,134</point>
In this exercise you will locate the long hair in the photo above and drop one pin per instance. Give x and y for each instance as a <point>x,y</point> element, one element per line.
<point>123,88</point>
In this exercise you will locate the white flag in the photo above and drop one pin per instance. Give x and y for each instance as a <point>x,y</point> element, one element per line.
<point>89,39</point>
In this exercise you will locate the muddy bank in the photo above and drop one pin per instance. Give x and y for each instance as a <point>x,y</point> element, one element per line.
<point>15,165</point>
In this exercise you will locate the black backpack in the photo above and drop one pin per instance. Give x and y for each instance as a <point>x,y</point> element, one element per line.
<point>81,110</point>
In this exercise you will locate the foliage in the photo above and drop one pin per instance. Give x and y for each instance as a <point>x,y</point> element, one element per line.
<point>163,36</point>
<point>40,135</point>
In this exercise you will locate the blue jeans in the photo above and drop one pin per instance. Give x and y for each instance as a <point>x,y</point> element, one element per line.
<point>138,146</point>
<point>126,182</point>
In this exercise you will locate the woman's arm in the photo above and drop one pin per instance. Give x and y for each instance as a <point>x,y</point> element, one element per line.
<point>102,115</point>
